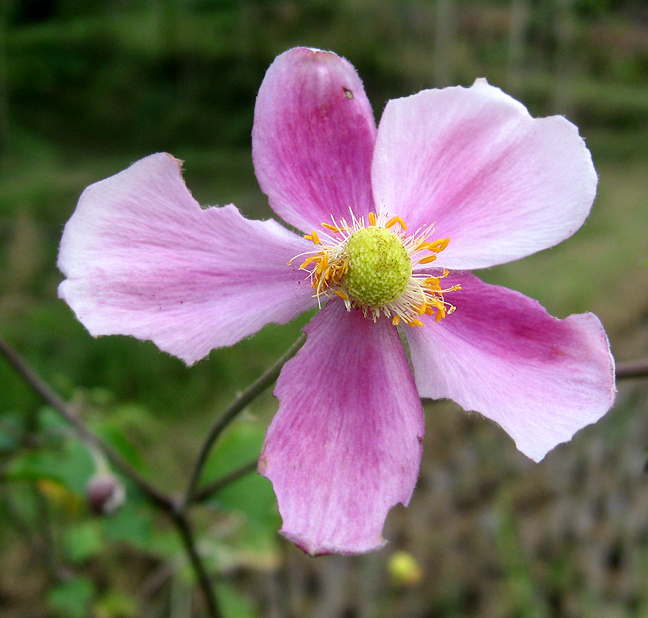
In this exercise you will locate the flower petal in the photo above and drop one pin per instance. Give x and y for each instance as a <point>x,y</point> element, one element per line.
<point>502,355</point>
<point>499,183</point>
<point>142,258</point>
<point>345,445</point>
<point>313,138</point>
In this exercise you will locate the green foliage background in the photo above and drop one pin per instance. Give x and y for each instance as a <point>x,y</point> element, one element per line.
<point>88,88</point>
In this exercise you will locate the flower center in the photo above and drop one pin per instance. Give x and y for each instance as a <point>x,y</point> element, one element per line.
<point>379,267</point>
<point>370,266</point>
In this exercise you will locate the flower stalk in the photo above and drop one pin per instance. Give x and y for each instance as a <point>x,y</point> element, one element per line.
<point>176,509</point>
<point>231,412</point>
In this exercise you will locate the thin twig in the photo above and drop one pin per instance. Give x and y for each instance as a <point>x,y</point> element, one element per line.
<point>215,486</point>
<point>233,410</point>
<point>69,414</point>
<point>184,528</point>
<point>632,369</point>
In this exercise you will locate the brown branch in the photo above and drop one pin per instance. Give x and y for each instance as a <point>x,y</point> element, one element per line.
<point>174,508</point>
<point>69,414</point>
<point>186,533</point>
<point>632,369</point>
<point>214,487</point>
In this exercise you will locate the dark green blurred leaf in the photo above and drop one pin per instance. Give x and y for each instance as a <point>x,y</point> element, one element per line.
<point>116,604</point>
<point>83,541</point>
<point>131,523</point>
<point>72,599</point>
<point>11,428</point>
<point>115,437</point>
<point>70,465</point>
<point>233,603</point>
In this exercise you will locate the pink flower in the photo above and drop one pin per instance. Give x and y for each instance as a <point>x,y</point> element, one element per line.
<point>452,179</point>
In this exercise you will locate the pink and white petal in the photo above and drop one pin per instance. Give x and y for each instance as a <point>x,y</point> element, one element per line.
<point>502,355</point>
<point>143,258</point>
<point>345,445</point>
<point>313,138</point>
<point>499,183</point>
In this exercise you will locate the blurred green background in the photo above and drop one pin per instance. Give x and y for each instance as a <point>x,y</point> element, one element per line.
<point>88,88</point>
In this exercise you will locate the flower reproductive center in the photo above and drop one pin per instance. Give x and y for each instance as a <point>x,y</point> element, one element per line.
<point>374,265</point>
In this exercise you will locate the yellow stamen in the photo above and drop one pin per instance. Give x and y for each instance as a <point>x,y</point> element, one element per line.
<point>309,260</point>
<point>313,236</point>
<point>334,268</point>
<point>415,322</point>
<point>322,264</point>
<point>394,221</point>
<point>438,245</point>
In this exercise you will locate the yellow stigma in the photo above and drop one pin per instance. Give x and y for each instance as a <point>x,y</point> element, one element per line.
<point>370,266</point>
<point>379,267</point>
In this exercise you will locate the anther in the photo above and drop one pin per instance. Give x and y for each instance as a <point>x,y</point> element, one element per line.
<point>394,220</point>
<point>307,261</point>
<point>438,245</point>
<point>372,218</point>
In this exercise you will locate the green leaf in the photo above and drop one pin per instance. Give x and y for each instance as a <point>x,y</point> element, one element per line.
<point>70,465</point>
<point>11,429</point>
<point>72,599</point>
<point>116,604</point>
<point>233,603</point>
<point>83,541</point>
<point>131,523</point>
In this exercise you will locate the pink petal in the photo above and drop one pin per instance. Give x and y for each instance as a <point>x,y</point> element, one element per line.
<point>500,184</point>
<point>502,355</point>
<point>313,138</point>
<point>345,445</point>
<point>142,258</point>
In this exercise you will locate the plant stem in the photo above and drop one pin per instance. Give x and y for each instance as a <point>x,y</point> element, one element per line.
<point>233,410</point>
<point>69,414</point>
<point>186,533</point>
<point>165,503</point>
<point>206,492</point>
<point>632,369</point>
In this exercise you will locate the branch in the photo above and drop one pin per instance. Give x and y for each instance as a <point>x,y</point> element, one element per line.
<point>632,369</point>
<point>214,487</point>
<point>233,410</point>
<point>184,528</point>
<point>69,414</point>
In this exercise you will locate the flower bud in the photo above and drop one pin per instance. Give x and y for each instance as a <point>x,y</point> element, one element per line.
<point>105,493</point>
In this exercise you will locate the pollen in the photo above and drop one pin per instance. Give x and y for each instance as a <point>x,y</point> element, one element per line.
<point>375,266</point>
